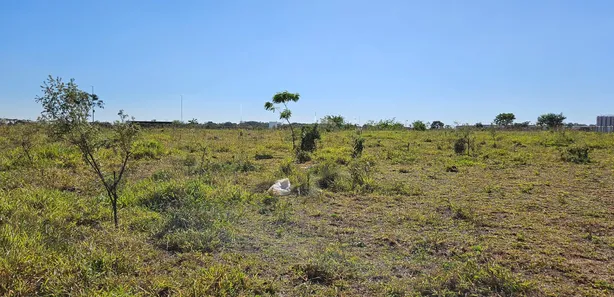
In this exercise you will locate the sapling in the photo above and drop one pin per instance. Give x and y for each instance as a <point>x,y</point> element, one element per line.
<point>66,107</point>
<point>283,98</point>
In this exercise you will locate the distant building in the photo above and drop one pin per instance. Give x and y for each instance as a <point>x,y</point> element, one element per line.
<point>274,125</point>
<point>605,123</point>
<point>152,123</point>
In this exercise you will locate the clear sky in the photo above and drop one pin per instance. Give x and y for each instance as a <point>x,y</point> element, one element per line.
<point>453,60</point>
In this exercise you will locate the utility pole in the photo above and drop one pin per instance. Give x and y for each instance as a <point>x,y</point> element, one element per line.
<point>182,108</point>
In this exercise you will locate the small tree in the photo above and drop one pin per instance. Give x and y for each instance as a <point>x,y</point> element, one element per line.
<point>505,119</point>
<point>437,125</point>
<point>285,114</point>
<point>67,107</point>
<point>336,121</point>
<point>419,126</point>
<point>551,120</point>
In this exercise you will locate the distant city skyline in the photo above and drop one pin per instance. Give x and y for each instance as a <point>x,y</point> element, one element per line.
<point>453,61</point>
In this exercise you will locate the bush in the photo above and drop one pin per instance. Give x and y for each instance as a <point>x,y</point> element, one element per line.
<point>358,147</point>
<point>302,156</point>
<point>576,154</point>
<point>309,136</point>
<point>460,146</point>
<point>287,167</point>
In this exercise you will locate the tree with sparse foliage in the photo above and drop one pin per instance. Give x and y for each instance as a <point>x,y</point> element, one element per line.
<point>283,98</point>
<point>437,125</point>
<point>66,107</point>
<point>505,119</point>
<point>551,120</point>
<point>419,126</point>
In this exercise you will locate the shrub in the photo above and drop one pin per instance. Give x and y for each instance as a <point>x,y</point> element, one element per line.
<point>302,156</point>
<point>358,147</point>
<point>286,167</point>
<point>460,146</point>
<point>576,154</point>
<point>301,182</point>
<point>309,136</point>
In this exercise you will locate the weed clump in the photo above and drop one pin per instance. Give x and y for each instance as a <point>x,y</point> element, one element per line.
<point>576,154</point>
<point>361,172</point>
<point>326,268</point>
<point>263,156</point>
<point>302,157</point>
<point>148,149</point>
<point>475,279</point>
<point>225,280</point>
<point>330,174</point>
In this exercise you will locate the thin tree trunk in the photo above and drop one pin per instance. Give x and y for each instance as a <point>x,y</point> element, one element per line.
<point>293,135</point>
<point>115,219</point>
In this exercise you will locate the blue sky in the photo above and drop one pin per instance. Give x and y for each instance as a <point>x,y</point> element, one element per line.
<point>463,61</point>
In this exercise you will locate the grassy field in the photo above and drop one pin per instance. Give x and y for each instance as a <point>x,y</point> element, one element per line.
<point>410,217</point>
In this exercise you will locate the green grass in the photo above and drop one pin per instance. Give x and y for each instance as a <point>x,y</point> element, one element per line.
<point>529,216</point>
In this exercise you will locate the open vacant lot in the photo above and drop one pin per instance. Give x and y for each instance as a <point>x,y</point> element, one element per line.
<point>519,214</point>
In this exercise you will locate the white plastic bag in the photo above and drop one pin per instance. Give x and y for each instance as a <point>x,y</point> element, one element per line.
<point>280,188</point>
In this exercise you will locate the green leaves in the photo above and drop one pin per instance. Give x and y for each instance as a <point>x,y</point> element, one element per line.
<point>419,126</point>
<point>551,120</point>
<point>65,104</point>
<point>285,114</point>
<point>285,97</point>
<point>505,119</point>
<point>282,98</point>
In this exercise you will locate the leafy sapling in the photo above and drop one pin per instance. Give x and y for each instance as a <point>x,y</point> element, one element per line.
<point>66,108</point>
<point>283,98</point>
